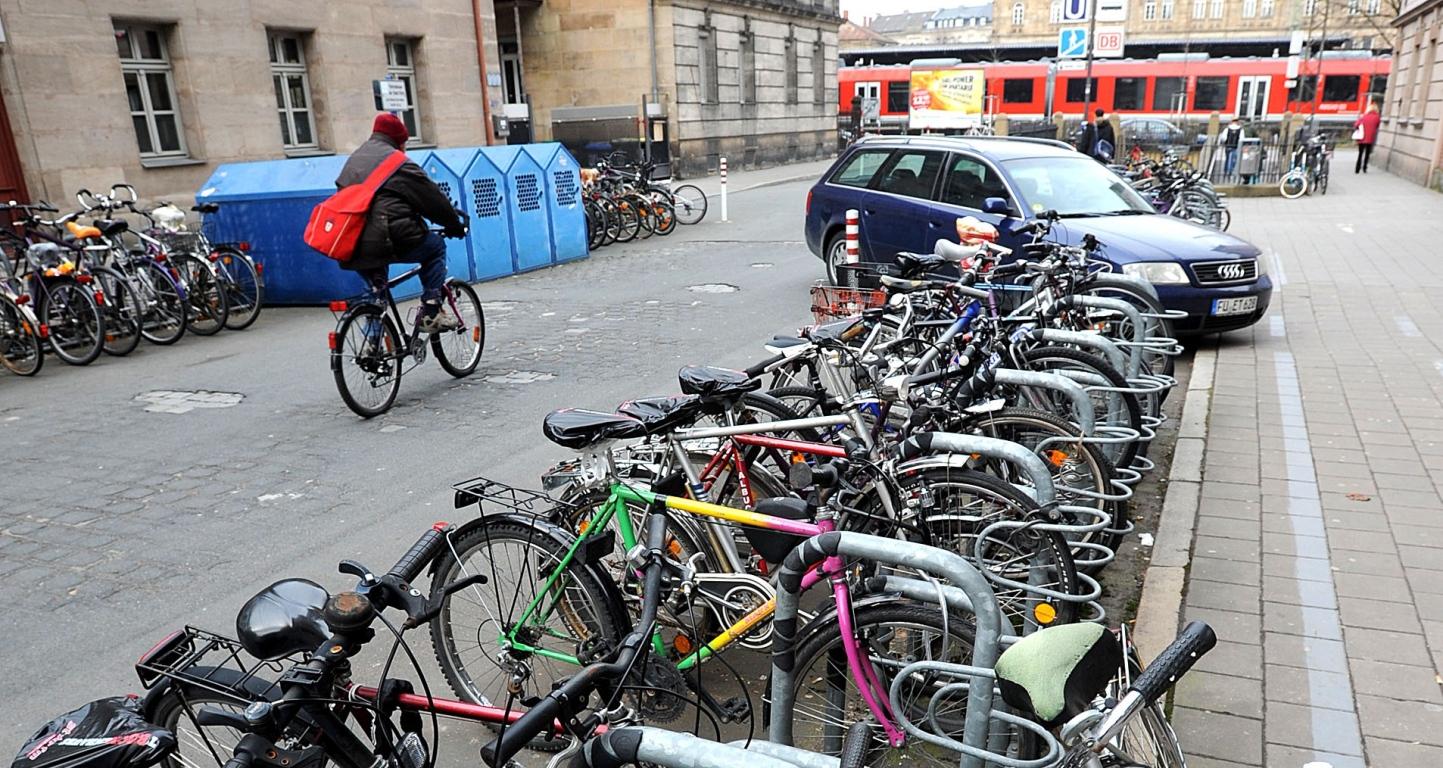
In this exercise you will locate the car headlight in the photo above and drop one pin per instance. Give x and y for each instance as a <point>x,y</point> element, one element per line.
<point>1263,264</point>
<point>1157,272</point>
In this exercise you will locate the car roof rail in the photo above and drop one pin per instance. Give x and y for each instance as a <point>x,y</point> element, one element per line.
<point>909,139</point>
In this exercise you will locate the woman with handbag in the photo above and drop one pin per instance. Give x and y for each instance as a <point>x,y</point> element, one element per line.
<point>1365,132</point>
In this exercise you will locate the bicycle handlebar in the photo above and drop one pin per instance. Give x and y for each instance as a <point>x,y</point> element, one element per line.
<point>419,555</point>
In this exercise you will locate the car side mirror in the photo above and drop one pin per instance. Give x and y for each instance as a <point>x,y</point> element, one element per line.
<point>997,205</point>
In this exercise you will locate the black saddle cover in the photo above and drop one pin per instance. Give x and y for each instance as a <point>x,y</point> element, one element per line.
<point>662,414</point>
<point>576,428</point>
<point>106,733</point>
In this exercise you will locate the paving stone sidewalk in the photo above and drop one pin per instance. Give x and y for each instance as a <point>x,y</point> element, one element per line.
<point>1318,554</point>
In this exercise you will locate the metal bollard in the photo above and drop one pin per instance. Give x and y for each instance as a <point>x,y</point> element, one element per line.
<point>724,189</point>
<point>854,248</point>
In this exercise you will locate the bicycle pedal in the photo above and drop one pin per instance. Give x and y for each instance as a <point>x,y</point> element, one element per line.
<point>735,709</point>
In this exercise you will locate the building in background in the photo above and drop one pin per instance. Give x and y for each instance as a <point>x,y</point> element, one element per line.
<point>955,24</point>
<point>1410,138</point>
<point>156,93</point>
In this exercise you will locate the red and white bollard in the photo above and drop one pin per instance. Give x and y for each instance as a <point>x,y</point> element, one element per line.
<point>854,247</point>
<point>724,189</point>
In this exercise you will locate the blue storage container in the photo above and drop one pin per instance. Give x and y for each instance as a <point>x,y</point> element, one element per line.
<point>526,203</point>
<point>563,197</point>
<point>483,185</point>
<point>446,167</point>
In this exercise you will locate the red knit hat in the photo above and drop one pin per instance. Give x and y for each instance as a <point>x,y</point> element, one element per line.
<point>392,127</point>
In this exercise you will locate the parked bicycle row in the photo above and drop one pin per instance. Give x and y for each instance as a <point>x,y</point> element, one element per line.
<point>951,461</point>
<point>626,202</point>
<point>1174,187</point>
<point>88,281</point>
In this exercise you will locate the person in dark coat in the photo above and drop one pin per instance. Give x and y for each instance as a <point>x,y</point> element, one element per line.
<point>396,230</point>
<point>1104,152</point>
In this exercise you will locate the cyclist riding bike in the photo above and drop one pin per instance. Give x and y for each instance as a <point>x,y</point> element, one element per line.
<point>396,230</point>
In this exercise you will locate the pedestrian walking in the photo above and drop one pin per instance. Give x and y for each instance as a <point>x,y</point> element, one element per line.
<point>1365,132</point>
<point>1231,140</point>
<point>1106,139</point>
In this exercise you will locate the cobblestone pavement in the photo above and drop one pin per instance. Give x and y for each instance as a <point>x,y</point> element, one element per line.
<point>131,510</point>
<point>1318,554</point>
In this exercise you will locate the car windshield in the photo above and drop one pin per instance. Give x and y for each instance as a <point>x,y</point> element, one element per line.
<point>1074,187</point>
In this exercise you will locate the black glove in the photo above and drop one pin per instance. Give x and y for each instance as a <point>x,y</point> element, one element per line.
<point>455,231</point>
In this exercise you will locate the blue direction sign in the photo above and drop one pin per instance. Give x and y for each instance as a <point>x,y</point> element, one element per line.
<point>1072,42</point>
<point>1075,10</point>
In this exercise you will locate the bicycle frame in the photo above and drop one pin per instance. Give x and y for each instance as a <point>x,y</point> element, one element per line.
<point>833,569</point>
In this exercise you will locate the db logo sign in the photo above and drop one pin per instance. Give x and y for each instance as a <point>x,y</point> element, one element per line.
<point>1108,42</point>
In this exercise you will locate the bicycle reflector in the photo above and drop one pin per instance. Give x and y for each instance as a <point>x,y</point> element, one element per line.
<point>338,306</point>
<point>1044,613</point>
<point>83,279</point>
<point>99,299</point>
<point>244,246</point>
<point>23,298</point>
<point>44,331</point>
<point>331,340</point>
<point>215,255</point>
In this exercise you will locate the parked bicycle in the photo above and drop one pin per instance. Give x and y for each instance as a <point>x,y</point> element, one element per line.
<point>1308,168</point>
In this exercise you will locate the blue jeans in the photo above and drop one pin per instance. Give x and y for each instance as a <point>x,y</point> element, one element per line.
<point>1231,162</point>
<point>431,255</point>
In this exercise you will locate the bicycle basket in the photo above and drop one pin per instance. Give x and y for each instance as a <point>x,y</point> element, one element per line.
<point>832,302</point>
<point>181,242</point>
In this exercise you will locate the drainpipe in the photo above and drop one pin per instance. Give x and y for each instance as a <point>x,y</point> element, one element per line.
<point>481,63</point>
<point>651,33</point>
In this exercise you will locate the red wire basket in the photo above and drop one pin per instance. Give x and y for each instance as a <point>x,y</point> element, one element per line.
<point>834,302</point>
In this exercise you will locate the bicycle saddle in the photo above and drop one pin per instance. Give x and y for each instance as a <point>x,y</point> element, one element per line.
<point>111,226</point>
<point>839,329</point>
<point>715,383</point>
<point>662,414</point>
<point>774,546</point>
<point>953,252</point>
<point>576,428</point>
<point>898,285</point>
<point>1055,673</point>
<point>282,619</point>
<point>80,231</point>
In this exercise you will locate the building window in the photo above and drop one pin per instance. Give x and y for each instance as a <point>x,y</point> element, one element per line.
<point>1309,6</point>
<point>1211,93</point>
<point>293,90</point>
<point>1017,91</point>
<point>1374,6</point>
<point>150,88</point>
<point>1217,9</point>
<point>748,45</point>
<point>1167,94</point>
<point>819,71</point>
<point>513,85</point>
<point>1199,8</point>
<point>1129,92</point>
<point>1167,9</point>
<point>899,97</point>
<point>1265,8</point>
<point>401,65</point>
<point>1250,8</point>
<point>1055,15</point>
<point>1018,11</point>
<point>710,88</point>
<point>1149,10</point>
<point>790,67</point>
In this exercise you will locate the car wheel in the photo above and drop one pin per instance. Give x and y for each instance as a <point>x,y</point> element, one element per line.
<point>835,256</point>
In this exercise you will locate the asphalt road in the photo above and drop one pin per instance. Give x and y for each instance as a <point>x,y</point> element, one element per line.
<point>121,523</point>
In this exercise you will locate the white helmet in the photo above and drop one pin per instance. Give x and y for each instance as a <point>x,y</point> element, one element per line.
<point>169,218</point>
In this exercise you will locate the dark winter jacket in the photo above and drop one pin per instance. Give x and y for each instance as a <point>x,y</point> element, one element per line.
<point>1104,133</point>
<point>396,223</point>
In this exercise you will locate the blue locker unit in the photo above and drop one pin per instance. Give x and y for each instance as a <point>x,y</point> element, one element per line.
<point>445,167</point>
<point>563,197</point>
<point>526,203</point>
<point>483,190</point>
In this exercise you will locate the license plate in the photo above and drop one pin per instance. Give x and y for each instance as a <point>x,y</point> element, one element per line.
<point>1239,306</point>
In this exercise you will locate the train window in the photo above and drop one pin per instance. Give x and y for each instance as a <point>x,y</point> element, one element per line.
<point>1305,90</point>
<point>1341,87</point>
<point>1377,86</point>
<point>1167,93</point>
<point>1017,91</point>
<point>1077,89</point>
<point>858,171</point>
<point>1210,93</point>
<point>1129,93</point>
<point>899,94</point>
<point>970,182</point>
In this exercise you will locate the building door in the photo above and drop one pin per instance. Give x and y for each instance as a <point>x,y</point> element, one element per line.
<point>1253,97</point>
<point>12,177</point>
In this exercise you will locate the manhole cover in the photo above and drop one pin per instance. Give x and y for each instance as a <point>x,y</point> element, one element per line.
<point>520,377</point>
<point>183,401</point>
<point>713,288</point>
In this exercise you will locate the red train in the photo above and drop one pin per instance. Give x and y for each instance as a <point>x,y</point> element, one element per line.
<point>1252,88</point>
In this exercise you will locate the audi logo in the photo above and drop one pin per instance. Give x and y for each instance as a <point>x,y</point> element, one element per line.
<point>1234,271</point>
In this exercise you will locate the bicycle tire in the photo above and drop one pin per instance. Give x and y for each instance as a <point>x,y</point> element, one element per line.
<point>245,291</point>
<point>122,312</point>
<point>610,220</point>
<point>1293,185</point>
<point>458,356</point>
<point>160,292</point>
<point>1040,357</point>
<point>22,351</point>
<point>644,213</point>
<point>1156,326</point>
<point>628,221</point>
<point>690,203</point>
<point>175,710</point>
<point>206,299</point>
<point>483,541</point>
<point>76,327</point>
<point>377,362</point>
<point>665,217</point>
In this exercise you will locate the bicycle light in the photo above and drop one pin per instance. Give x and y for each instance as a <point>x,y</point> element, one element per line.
<point>331,340</point>
<point>338,306</point>
<point>244,246</point>
<point>23,298</point>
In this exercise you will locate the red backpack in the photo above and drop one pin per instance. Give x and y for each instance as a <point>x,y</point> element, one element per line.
<point>336,222</point>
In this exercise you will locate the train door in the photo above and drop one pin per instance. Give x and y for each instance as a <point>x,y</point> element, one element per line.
<point>1253,97</point>
<point>870,94</point>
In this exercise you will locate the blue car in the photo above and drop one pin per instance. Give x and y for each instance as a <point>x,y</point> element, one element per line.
<point>910,190</point>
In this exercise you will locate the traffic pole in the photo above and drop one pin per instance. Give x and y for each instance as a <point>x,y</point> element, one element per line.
<point>724,189</point>
<point>854,250</point>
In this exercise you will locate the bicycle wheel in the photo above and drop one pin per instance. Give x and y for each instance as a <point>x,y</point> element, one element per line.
<point>21,350</point>
<point>645,214</point>
<point>610,220</point>
<point>76,327</point>
<point>459,351</point>
<point>205,296</point>
<point>689,202</point>
<point>226,689</point>
<point>366,361</point>
<point>664,217</point>
<point>628,221</point>
<point>524,565</point>
<point>1294,185</point>
<point>1121,327</point>
<point>244,290</point>
<point>1321,181</point>
<point>122,312</point>
<point>1119,408</point>
<point>166,315</point>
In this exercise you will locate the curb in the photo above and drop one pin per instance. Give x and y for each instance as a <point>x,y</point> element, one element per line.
<point>1159,610</point>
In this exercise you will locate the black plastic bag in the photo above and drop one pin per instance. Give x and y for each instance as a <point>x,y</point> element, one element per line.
<point>108,733</point>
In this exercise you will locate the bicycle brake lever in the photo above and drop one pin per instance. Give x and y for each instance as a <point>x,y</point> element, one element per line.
<point>433,608</point>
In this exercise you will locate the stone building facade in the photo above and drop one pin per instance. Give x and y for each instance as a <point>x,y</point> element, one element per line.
<point>1410,138</point>
<point>156,93</point>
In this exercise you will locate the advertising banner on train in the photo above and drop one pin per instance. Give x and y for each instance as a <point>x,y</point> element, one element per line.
<point>943,99</point>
